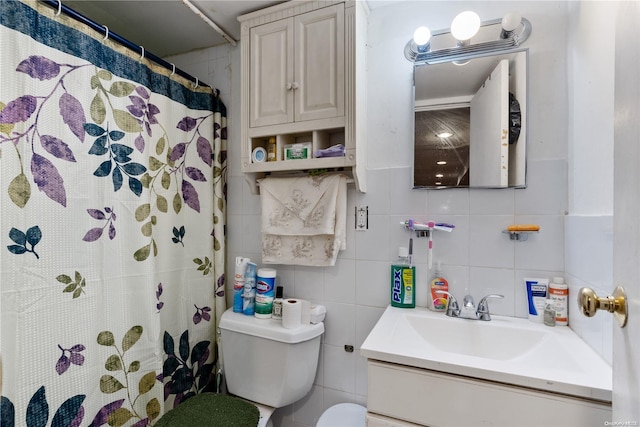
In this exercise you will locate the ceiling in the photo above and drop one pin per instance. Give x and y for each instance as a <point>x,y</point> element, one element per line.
<point>169,27</point>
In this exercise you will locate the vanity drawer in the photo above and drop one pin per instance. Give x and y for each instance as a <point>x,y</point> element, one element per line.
<point>375,420</point>
<point>434,399</point>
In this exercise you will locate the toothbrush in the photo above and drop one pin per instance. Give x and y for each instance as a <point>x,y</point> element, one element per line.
<point>409,226</point>
<point>430,252</point>
<point>417,226</point>
<point>411,249</point>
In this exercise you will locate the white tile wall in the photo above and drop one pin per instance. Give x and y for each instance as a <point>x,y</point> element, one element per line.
<point>589,263</point>
<point>476,257</point>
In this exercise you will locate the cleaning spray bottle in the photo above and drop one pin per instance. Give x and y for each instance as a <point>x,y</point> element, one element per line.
<point>403,281</point>
<point>438,302</point>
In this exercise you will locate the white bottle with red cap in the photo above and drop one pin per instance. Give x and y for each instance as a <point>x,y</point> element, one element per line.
<point>559,294</point>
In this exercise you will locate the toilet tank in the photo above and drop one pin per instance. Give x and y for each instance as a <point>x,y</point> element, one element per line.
<point>267,363</point>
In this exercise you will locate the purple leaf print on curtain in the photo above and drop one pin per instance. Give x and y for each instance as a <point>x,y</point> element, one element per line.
<point>57,148</point>
<point>39,67</point>
<point>204,150</point>
<point>187,124</point>
<point>102,416</point>
<point>95,233</point>
<point>195,174</point>
<point>48,179</point>
<point>72,115</point>
<point>74,357</point>
<point>178,151</point>
<point>190,196</point>
<point>18,110</point>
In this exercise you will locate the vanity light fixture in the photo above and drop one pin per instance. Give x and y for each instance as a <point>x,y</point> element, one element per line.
<point>465,26</point>
<point>421,38</point>
<point>441,162</point>
<point>514,30</point>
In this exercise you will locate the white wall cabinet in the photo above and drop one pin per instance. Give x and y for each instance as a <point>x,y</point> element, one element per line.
<point>297,68</point>
<point>301,62</point>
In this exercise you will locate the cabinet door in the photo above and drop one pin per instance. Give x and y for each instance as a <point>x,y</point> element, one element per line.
<point>271,73</point>
<point>489,139</point>
<point>319,64</point>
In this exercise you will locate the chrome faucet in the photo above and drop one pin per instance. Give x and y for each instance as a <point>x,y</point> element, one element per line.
<point>468,310</point>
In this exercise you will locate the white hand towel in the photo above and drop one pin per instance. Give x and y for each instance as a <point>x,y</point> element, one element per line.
<point>306,223</point>
<point>303,206</point>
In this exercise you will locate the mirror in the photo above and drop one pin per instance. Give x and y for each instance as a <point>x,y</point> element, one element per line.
<point>470,123</point>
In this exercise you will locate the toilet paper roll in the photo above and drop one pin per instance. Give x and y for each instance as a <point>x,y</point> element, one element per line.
<point>291,313</point>
<point>306,312</point>
<point>317,313</point>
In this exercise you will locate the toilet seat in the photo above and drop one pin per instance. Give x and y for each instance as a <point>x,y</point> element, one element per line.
<point>265,413</point>
<point>343,415</point>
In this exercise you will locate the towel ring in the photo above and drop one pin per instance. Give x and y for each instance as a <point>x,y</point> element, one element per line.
<point>173,71</point>
<point>196,84</point>
<point>59,8</point>
<point>106,33</point>
<point>142,54</point>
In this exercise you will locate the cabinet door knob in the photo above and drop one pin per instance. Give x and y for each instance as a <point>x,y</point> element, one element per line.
<point>289,86</point>
<point>295,85</point>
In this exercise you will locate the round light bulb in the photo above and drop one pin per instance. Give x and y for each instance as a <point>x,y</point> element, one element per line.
<point>422,36</point>
<point>511,21</point>
<point>465,25</point>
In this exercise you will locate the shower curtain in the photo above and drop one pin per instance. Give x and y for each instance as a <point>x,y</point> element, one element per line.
<point>112,224</point>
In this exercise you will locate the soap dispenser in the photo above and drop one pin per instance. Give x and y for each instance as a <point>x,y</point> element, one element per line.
<point>437,301</point>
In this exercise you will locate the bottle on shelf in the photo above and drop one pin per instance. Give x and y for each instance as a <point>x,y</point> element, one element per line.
<point>271,150</point>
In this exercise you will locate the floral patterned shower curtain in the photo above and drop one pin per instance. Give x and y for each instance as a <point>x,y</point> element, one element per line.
<point>112,216</point>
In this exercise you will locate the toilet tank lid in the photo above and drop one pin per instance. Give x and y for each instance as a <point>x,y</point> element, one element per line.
<point>268,328</point>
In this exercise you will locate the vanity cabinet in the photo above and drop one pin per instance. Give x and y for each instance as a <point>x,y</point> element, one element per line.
<point>400,396</point>
<point>303,81</point>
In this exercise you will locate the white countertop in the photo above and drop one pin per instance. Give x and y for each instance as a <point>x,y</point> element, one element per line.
<point>558,361</point>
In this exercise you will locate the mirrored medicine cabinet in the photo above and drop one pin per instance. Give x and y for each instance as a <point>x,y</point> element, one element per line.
<point>470,122</point>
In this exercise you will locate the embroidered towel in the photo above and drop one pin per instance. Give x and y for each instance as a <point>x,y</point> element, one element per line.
<point>303,219</point>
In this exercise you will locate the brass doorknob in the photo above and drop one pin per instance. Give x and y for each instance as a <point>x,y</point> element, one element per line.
<point>616,303</point>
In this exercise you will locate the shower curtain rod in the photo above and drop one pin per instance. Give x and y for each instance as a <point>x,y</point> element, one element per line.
<point>57,4</point>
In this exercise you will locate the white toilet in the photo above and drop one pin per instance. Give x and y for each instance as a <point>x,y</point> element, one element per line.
<point>266,363</point>
<point>273,366</point>
<point>343,415</point>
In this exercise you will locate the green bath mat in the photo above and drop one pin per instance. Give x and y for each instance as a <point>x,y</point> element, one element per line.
<point>211,410</point>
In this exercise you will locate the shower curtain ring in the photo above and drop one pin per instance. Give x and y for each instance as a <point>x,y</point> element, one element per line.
<point>59,8</point>
<point>173,69</point>
<point>142,54</point>
<point>106,33</point>
<point>196,84</point>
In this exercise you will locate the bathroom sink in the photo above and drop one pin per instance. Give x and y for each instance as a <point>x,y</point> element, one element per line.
<point>505,350</point>
<point>498,340</point>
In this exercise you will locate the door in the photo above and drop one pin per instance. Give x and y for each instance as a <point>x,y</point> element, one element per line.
<point>489,132</point>
<point>626,210</point>
<point>271,74</point>
<point>319,64</point>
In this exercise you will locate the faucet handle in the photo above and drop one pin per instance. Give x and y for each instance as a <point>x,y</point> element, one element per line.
<point>453,309</point>
<point>483,307</point>
<point>468,301</point>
